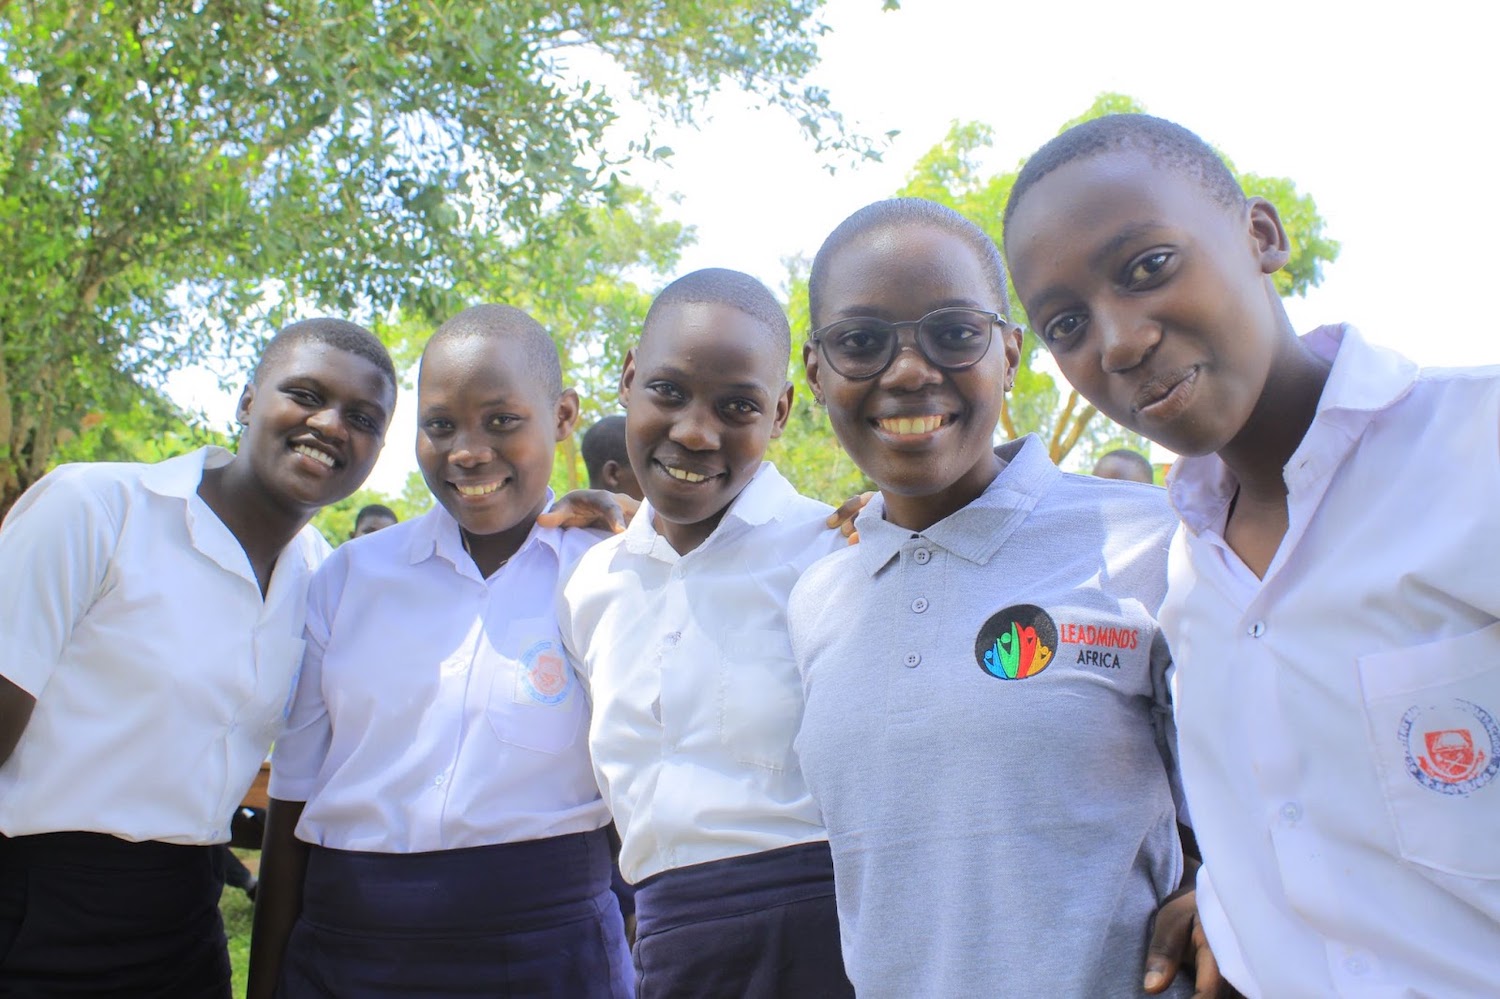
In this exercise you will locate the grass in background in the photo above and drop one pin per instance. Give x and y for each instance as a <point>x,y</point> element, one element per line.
<point>237,909</point>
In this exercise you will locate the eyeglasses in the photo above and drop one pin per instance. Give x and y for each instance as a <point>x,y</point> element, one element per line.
<point>952,339</point>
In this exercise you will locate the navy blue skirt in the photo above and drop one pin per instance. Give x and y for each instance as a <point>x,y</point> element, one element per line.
<point>763,926</point>
<point>529,919</point>
<point>86,914</point>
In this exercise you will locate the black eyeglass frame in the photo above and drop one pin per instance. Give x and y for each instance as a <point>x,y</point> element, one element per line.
<point>816,338</point>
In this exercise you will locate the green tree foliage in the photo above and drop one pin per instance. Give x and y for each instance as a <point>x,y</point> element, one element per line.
<point>148,428</point>
<point>951,173</point>
<point>179,174</point>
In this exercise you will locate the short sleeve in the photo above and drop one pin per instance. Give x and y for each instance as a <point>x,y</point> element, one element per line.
<point>298,756</point>
<point>565,626</point>
<point>55,549</point>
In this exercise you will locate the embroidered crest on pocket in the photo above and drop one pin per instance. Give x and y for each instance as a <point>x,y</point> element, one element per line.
<point>1452,747</point>
<point>544,673</point>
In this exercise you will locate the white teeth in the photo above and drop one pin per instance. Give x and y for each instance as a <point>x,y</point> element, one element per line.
<point>314,454</point>
<point>904,425</point>
<point>482,490</point>
<point>684,475</point>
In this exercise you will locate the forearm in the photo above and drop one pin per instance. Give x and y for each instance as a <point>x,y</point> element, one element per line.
<point>278,899</point>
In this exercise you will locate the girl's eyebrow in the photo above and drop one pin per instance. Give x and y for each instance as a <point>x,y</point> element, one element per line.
<point>1129,234</point>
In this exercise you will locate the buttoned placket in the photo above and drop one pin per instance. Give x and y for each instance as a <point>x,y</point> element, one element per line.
<point>462,694</point>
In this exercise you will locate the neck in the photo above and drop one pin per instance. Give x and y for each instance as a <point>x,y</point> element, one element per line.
<point>1259,453</point>
<point>490,552</point>
<point>917,513</point>
<point>686,537</point>
<point>262,526</point>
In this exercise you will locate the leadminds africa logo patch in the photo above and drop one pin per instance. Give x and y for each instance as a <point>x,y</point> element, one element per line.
<point>1016,643</point>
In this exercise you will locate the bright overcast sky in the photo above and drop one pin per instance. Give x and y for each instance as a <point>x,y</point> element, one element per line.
<point>1379,111</point>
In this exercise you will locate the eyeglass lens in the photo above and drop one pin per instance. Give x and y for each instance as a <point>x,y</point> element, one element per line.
<point>948,338</point>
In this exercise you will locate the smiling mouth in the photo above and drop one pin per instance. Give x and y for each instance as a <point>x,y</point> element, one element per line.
<point>683,474</point>
<point>321,457</point>
<point>911,426</point>
<point>477,490</point>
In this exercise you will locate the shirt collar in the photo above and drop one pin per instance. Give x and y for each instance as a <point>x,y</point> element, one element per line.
<point>976,532</point>
<point>1364,380</point>
<point>761,501</point>
<point>181,476</point>
<point>436,534</point>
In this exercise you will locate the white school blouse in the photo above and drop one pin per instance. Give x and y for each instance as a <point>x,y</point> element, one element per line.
<point>132,615</point>
<point>1339,720</point>
<point>696,696</point>
<point>435,709</point>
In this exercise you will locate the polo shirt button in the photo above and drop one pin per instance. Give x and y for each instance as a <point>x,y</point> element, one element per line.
<point>1291,812</point>
<point>1257,629</point>
<point>912,660</point>
<point>919,605</point>
<point>921,556</point>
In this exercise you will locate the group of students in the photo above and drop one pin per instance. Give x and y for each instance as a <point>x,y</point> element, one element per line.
<point>943,761</point>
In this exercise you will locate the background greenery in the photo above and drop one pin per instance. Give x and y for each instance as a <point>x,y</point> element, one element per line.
<point>178,179</point>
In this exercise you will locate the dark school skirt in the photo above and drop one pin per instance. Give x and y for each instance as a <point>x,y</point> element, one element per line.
<point>762,926</point>
<point>86,914</point>
<point>528,919</point>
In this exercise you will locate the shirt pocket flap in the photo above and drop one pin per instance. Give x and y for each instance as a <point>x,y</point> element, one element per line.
<point>1433,713</point>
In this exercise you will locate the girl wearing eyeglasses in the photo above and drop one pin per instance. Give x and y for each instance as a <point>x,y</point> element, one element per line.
<point>987,730</point>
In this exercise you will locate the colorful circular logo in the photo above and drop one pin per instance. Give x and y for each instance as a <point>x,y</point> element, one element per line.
<point>1016,643</point>
<point>545,673</point>
<point>1452,747</point>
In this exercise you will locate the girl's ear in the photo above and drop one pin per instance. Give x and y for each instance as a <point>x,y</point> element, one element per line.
<point>567,413</point>
<point>1269,236</point>
<point>783,409</point>
<point>1010,339</point>
<point>811,362</point>
<point>242,409</point>
<point>627,376</point>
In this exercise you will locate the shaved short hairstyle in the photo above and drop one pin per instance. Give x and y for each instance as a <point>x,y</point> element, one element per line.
<point>483,321</point>
<point>337,333</point>
<point>1126,464</point>
<point>720,286</point>
<point>896,212</point>
<point>1166,144</point>
<point>604,441</point>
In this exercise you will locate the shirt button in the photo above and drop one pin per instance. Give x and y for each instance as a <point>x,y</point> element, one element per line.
<point>438,780</point>
<point>912,660</point>
<point>919,605</point>
<point>921,556</point>
<point>1257,629</point>
<point>1291,812</point>
<point>1356,966</point>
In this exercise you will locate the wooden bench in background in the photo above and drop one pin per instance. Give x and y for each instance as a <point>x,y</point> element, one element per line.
<point>256,797</point>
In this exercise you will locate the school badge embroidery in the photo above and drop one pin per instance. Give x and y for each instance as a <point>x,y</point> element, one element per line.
<point>545,674</point>
<point>1452,747</point>
<point>1016,643</point>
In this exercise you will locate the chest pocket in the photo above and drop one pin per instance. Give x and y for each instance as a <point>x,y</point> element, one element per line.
<point>534,700</point>
<point>1433,714</point>
<point>760,699</point>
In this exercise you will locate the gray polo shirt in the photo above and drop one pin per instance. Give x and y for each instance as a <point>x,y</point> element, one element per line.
<point>988,734</point>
